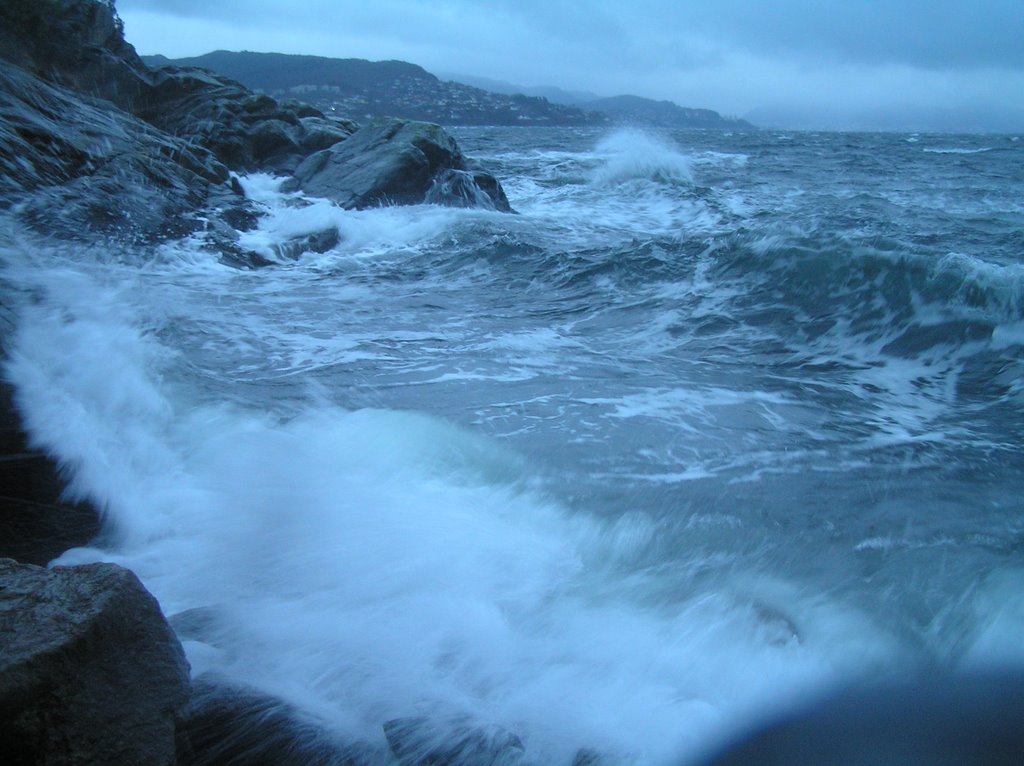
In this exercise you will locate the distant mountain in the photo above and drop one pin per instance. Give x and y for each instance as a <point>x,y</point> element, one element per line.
<point>550,92</point>
<point>359,89</point>
<point>635,110</point>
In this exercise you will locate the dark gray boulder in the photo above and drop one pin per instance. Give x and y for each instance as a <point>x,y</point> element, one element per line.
<point>418,741</point>
<point>90,672</point>
<point>387,162</point>
<point>467,188</point>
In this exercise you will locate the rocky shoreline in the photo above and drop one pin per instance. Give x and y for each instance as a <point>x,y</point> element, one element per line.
<point>96,147</point>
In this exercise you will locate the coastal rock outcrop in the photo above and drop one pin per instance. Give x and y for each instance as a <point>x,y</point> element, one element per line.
<point>244,130</point>
<point>93,142</point>
<point>90,671</point>
<point>390,162</point>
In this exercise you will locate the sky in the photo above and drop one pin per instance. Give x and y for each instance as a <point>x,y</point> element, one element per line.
<point>738,57</point>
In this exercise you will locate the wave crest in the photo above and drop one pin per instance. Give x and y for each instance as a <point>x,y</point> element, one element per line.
<point>630,155</point>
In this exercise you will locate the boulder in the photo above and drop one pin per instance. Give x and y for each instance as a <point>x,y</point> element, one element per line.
<point>391,162</point>
<point>90,672</point>
<point>417,741</point>
<point>467,188</point>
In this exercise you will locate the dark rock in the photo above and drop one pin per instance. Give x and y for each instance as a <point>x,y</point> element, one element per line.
<point>388,162</point>
<point>324,132</point>
<point>587,757</point>
<point>228,724</point>
<point>244,130</point>
<point>90,672</point>
<point>93,143</point>
<point>75,43</point>
<point>77,169</point>
<point>419,741</point>
<point>317,242</point>
<point>937,721</point>
<point>468,188</point>
<point>36,524</point>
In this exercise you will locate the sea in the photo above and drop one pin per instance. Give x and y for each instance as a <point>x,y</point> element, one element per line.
<point>715,423</point>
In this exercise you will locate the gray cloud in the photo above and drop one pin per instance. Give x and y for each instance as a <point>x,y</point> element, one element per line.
<point>730,55</point>
<point>926,33</point>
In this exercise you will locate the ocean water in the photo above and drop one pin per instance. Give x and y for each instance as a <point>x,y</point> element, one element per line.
<point>715,422</point>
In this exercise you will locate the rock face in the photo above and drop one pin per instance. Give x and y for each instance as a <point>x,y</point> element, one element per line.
<point>36,525</point>
<point>67,161</point>
<point>243,130</point>
<point>90,672</point>
<point>391,162</point>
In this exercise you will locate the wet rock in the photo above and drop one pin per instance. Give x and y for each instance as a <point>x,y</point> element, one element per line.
<point>36,524</point>
<point>244,130</point>
<point>90,672</point>
<point>317,242</point>
<point>78,44</point>
<point>233,725</point>
<point>417,741</point>
<point>76,169</point>
<point>468,188</point>
<point>387,162</point>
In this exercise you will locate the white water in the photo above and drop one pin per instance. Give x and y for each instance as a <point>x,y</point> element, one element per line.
<point>372,563</point>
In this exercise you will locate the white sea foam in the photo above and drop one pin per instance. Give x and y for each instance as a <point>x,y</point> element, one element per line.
<point>631,155</point>
<point>372,564</point>
<point>361,233</point>
<point>958,150</point>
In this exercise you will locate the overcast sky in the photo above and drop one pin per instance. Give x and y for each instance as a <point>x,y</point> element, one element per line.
<point>729,55</point>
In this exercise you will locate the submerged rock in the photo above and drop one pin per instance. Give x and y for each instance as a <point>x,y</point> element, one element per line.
<point>232,725</point>
<point>90,672</point>
<point>417,741</point>
<point>316,242</point>
<point>391,162</point>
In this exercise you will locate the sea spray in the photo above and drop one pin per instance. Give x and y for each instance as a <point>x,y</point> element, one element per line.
<point>617,473</point>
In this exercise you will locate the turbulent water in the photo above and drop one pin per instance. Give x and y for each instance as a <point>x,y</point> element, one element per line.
<point>716,421</point>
